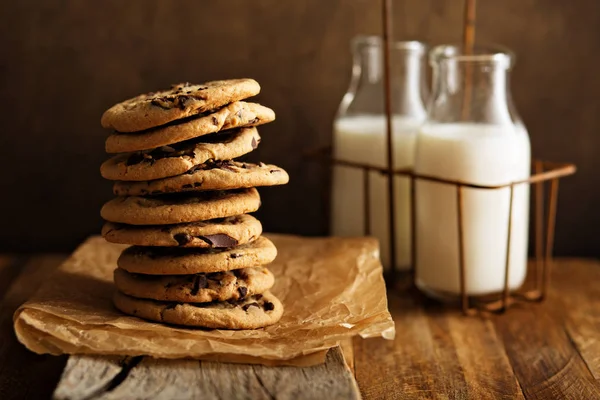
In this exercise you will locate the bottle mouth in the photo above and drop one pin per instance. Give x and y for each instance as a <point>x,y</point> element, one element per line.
<point>492,53</point>
<point>377,41</point>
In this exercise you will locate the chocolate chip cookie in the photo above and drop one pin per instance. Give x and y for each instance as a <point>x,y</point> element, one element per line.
<point>216,233</point>
<point>251,313</point>
<point>180,207</point>
<point>179,158</point>
<point>199,288</point>
<point>234,115</point>
<point>212,175</point>
<point>182,100</point>
<point>177,261</point>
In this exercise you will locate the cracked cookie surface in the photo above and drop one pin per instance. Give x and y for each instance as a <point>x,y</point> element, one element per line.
<point>166,161</point>
<point>235,115</point>
<point>177,261</point>
<point>251,313</point>
<point>199,288</point>
<point>182,100</point>
<point>212,175</point>
<point>216,233</point>
<point>180,207</point>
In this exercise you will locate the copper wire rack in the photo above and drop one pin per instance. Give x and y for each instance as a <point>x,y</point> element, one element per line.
<point>544,173</point>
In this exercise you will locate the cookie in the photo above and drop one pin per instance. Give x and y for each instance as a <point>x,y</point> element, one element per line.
<point>182,100</point>
<point>179,158</point>
<point>199,288</point>
<point>180,207</point>
<point>234,115</point>
<point>251,313</point>
<point>212,175</point>
<point>174,261</point>
<point>216,233</point>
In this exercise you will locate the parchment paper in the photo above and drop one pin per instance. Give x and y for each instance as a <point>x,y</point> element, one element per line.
<point>331,288</point>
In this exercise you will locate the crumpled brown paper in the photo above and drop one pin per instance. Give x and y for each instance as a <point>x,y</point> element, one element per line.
<point>331,288</point>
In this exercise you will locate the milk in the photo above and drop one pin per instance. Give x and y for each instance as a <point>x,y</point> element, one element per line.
<point>482,154</point>
<point>363,139</point>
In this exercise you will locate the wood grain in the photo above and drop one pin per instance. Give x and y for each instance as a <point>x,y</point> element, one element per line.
<point>23,374</point>
<point>64,62</point>
<point>535,351</point>
<point>580,303</point>
<point>542,356</point>
<point>114,378</point>
<point>84,377</point>
<point>436,353</point>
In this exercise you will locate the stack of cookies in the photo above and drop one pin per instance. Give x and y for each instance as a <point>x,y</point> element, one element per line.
<point>197,258</point>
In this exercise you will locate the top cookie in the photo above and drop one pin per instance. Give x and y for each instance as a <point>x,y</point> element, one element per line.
<point>183,100</point>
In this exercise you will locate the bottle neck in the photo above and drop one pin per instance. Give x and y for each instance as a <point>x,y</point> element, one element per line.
<point>474,91</point>
<point>366,91</point>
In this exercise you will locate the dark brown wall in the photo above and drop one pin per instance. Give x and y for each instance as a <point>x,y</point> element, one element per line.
<point>63,62</point>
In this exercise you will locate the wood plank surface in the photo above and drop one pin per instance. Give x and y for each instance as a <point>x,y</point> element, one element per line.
<point>147,378</point>
<point>23,374</point>
<point>535,351</point>
<point>579,299</point>
<point>543,358</point>
<point>436,354</point>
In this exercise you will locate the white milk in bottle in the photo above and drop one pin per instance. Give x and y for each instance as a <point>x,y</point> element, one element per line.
<point>477,153</point>
<point>359,132</point>
<point>362,139</point>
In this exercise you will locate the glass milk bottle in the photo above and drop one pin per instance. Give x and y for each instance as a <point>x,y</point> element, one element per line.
<point>360,136</point>
<point>472,134</point>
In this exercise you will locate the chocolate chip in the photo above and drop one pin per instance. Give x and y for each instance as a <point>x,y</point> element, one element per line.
<point>235,255</point>
<point>162,102</point>
<point>254,144</point>
<point>215,121</point>
<point>228,165</point>
<point>274,170</point>
<point>255,120</point>
<point>135,158</point>
<point>243,291</point>
<point>240,273</point>
<point>200,282</point>
<point>258,296</point>
<point>268,306</point>
<point>183,238</point>
<point>182,101</point>
<point>247,306</point>
<point>188,186</point>
<point>219,240</point>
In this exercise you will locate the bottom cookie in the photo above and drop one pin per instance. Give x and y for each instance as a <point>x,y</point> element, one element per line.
<point>253,312</point>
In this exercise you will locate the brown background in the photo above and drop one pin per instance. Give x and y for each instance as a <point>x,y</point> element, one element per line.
<point>63,62</point>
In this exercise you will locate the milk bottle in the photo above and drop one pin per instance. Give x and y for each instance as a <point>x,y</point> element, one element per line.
<point>360,136</point>
<point>480,142</point>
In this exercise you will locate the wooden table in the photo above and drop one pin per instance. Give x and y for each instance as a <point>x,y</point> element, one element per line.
<point>534,351</point>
